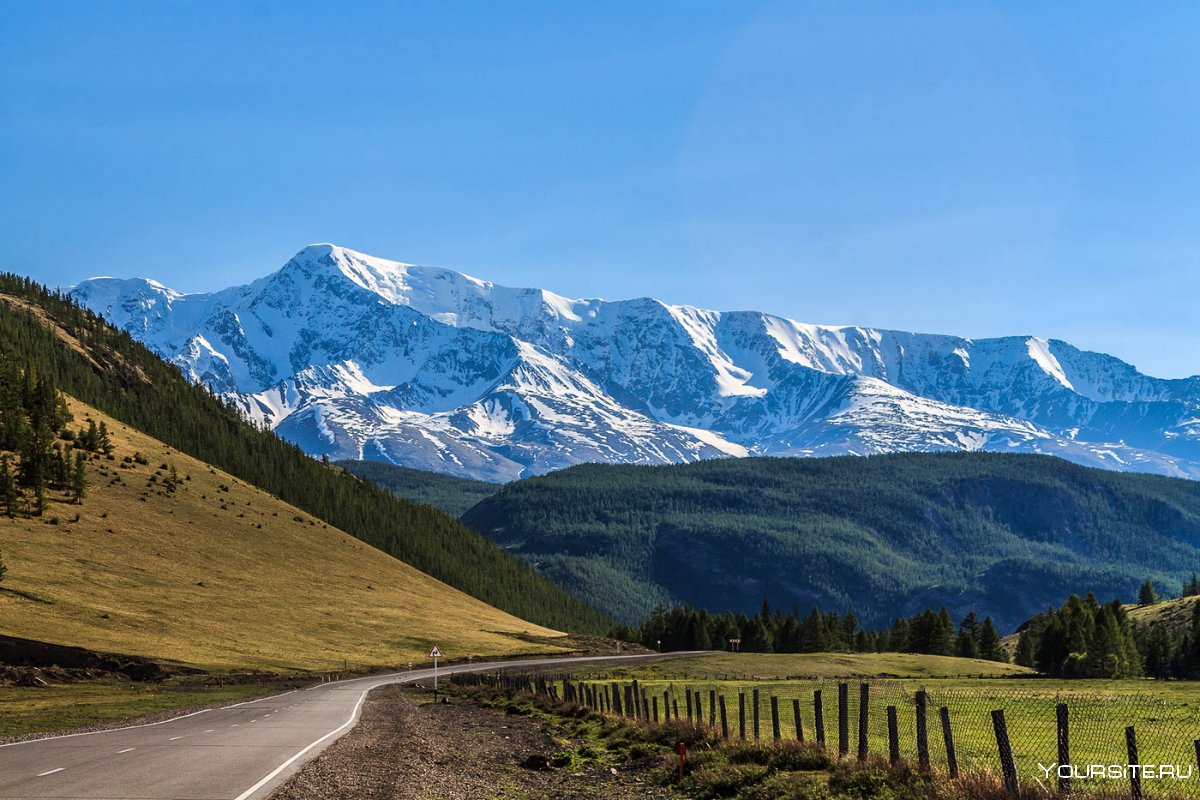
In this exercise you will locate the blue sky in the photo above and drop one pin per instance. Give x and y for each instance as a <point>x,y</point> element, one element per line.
<point>972,168</point>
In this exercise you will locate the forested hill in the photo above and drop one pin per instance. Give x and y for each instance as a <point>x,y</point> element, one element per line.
<point>104,367</point>
<point>884,536</point>
<point>446,492</point>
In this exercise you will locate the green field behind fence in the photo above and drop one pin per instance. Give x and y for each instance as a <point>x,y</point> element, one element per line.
<point>1166,718</point>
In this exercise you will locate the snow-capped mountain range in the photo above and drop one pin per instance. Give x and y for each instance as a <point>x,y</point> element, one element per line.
<point>360,357</point>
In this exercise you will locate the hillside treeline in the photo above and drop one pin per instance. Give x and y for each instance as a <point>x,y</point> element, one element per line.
<point>882,535</point>
<point>1084,639</point>
<point>73,349</point>
<point>773,631</point>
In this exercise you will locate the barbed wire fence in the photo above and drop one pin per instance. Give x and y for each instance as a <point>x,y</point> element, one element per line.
<point>1035,739</point>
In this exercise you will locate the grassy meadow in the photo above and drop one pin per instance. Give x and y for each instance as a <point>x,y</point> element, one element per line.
<point>1165,715</point>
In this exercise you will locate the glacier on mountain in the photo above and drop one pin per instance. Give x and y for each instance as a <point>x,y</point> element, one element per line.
<point>360,357</point>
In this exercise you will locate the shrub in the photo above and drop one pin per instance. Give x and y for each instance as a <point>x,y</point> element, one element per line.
<point>723,780</point>
<point>788,786</point>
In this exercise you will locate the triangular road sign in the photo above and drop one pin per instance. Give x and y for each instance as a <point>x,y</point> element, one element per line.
<point>435,652</point>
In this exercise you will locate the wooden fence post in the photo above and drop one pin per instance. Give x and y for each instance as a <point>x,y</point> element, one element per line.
<point>742,715</point>
<point>819,717</point>
<point>666,705</point>
<point>948,739</point>
<point>1135,775</point>
<point>922,730</point>
<point>655,708</point>
<point>756,711</point>
<point>724,719</point>
<point>696,697</point>
<point>616,701</point>
<point>1004,748</point>
<point>712,708</point>
<point>775,734</point>
<point>893,736</point>
<point>864,700</point>
<point>1064,746</point>
<point>843,720</point>
<point>796,717</point>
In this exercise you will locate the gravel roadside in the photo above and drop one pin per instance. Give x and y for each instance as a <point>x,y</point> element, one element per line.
<point>403,748</point>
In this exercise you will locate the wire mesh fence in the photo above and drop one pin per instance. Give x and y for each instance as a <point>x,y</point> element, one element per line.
<point>1137,743</point>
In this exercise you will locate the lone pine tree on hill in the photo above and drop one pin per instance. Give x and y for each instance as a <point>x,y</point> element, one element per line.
<point>1147,595</point>
<point>79,479</point>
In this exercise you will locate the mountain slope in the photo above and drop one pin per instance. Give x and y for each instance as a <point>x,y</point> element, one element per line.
<point>364,358</point>
<point>444,492</point>
<point>219,574</point>
<point>108,370</point>
<point>884,536</point>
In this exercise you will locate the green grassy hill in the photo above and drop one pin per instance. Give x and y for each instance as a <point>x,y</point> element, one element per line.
<point>218,574</point>
<point>444,492</point>
<point>106,369</point>
<point>883,536</point>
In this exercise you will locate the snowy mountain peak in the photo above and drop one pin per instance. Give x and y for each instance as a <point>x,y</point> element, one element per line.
<point>358,356</point>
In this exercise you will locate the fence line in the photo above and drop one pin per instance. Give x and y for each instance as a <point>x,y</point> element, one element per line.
<point>1020,734</point>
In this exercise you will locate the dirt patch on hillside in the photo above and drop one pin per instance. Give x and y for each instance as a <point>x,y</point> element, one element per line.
<point>414,750</point>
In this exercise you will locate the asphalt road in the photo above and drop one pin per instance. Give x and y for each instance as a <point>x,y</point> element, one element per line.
<point>237,752</point>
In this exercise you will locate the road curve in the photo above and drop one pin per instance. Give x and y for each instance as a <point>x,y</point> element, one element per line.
<point>238,752</point>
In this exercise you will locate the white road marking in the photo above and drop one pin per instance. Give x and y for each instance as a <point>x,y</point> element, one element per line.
<point>106,730</point>
<point>173,738</point>
<point>126,750</point>
<point>259,700</point>
<point>353,716</point>
<point>142,725</point>
<point>210,730</point>
<point>50,772</point>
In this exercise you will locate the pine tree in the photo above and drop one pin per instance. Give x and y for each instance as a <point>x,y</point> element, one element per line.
<point>79,479</point>
<point>759,639</point>
<point>8,487</point>
<point>91,439</point>
<point>990,646</point>
<point>1159,652</point>
<point>1191,588</point>
<point>104,442</point>
<point>14,423</point>
<point>1025,655</point>
<point>968,637</point>
<point>60,466</point>
<point>1146,595</point>
<point>943,645</point>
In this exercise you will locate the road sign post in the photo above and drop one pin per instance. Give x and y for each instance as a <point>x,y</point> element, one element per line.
<point>435,654</point>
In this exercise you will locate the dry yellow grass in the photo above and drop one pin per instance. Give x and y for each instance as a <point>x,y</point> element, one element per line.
<point>225,579</point>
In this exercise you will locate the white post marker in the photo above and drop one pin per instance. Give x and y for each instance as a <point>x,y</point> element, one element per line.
<point>435,654</point>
